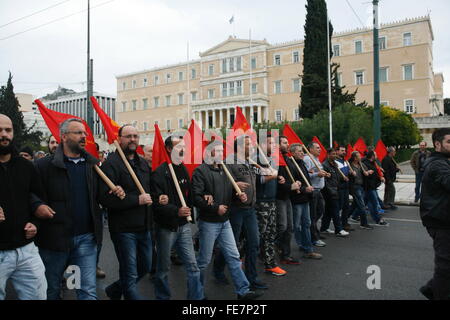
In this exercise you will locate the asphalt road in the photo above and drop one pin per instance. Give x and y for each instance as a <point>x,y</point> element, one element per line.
<point>403,251</point>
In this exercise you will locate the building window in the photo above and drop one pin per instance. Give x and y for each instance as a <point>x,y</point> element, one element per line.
<point>384,103</point>
<point>180,76</point>
<point>238,64</point>
<point>408,72</point>
<point>407,39</point>
<point>231,88</point>
<point>210,93</point>
<point>224,89</point>
<point>277,87</point>
<point>277,60</point>
<point>231,64</point>
<point>134,105</point>
<point>238,87</point>
<point>145,126</point>
<point>180,123</point>
<point>124,106</point>
<point>133,84</point>
<point>193,74</point>
<point>254,88</point>
<point>145,103</point>
<point>339,79</point>
<point>168,124</point>
<point>167,101</point>
<point>168,77</point>
<point>295,57</point>
<point>358,46</point>
<point>359,77</point>
<point>382,43</point>
<point>296,85</point>
<point>156,102</point>
<point>124,85</point>
<point>296,114</point>
<point>384,74</point>
<point>211,70</point>
<point>180,98</point>
<point>409,106</point>
<point>193,96</point>
<point>224,66</point>
<point>337,50</point>
<point>156,80</point>
<point>278,116</point>
<point>144,84</point>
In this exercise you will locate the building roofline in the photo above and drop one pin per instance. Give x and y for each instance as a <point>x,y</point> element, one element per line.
<point>81,94</point>
<point>180,64</point>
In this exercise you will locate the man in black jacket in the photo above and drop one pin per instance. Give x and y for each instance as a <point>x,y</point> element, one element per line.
<point>435,213</point>
<point>130,219</point>
<point>73,227</point>
<point>171,225</point>
<point>390,175</point>
<point>19,258</point>
<point>209,179</point>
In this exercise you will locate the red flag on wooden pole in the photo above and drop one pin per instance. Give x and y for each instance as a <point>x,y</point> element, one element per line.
<point>360,146</point>
<point>195,146</point>
<point>290,134</point>
<point>381,150</point>
<point>159,150</point>
<point>53,119</point>
<point>349,151</point>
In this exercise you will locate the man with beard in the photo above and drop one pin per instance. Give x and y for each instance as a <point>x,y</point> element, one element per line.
<point>52,144</point>
<point>171,225</point>
<point>129,219</point>
<point>19,258</point>
<point>73,229</point>
<point>435,213</point>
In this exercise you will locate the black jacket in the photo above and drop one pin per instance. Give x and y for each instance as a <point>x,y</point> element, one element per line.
<point>18,179</point>
<point>303,196</point>
<point>126,215</point>
<point>331,189</point>
<point>390,169</point>
<point>208,180</point>
<point>372,181</point>
<point>161,182</point>
<point>284,190</point>
<point>435,198</point>
<point>56,233</point>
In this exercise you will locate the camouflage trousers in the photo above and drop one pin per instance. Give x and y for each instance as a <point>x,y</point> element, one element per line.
<point>267,222</point>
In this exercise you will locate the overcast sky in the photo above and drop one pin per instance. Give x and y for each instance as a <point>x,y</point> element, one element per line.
<point>132,35</point>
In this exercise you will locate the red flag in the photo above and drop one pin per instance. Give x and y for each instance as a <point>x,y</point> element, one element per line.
<point>159,150</point>
<point>194,147</point>
<point>381,151</point>
<point>240,122</point>
<point>335,144</point>
<point>53,119</point>
<point>111,127</point>
<point>279,159</point>
<point>349,151</point>
<point>360,146</point>
<point>290,134</point>
<point>323,150</point>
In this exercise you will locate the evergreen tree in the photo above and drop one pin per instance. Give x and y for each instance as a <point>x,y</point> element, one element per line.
<point>314,93</point>
<point>338,96</point>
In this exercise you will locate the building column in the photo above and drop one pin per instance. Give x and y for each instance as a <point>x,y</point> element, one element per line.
<point>259,115</point>
<point>266,113</point>
<point>252,121</point>
<point>221,117</point>
<point>206,119</point>
<point>228,117</point>
<point>214,118</point>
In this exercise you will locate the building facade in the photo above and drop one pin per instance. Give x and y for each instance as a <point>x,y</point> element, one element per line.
<point>75,104</point>
<point>265,79</point>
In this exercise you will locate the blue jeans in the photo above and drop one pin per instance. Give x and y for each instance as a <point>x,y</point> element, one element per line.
<point>242,219</point>
<point>182,240</point>
<point>222,232</point>
<point>331,212</point>
<point>83,254</point>
<point>419,176</point>
<point>24,267</point>
<point>302,226</point>
<point>284,227</point>
<point>358,207</point>
<point>372,204</point>
<point>134,252</point>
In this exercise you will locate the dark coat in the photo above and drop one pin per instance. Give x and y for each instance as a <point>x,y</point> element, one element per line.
<point>56,233</point>
<point>372,181</point>
<point>18,181</point>
<point>166,216</point>
<point>390,169</point>
<point>331,189</point>
<point>126,215</point>
<point>435,197</point>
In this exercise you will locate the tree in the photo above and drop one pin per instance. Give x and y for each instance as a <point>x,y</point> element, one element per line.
<point>9,106</point>
<point>338,96</point>
<point>314,94</point>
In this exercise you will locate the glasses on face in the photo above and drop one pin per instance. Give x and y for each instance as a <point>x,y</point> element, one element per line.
<point>130,136</point>
<point>78,133</point>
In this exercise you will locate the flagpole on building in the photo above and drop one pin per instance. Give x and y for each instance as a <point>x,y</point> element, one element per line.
<point>188,86</point>
<point>251,74</point>
<point>329,81</point>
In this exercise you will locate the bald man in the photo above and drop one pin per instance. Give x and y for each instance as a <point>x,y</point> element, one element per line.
<point>19,257</point>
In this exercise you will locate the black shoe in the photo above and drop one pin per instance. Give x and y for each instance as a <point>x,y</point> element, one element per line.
<point>366,227</point>
<point>427,292</point>
<point>111,294</point>
<point>250,295</point>
<point>258,285</point>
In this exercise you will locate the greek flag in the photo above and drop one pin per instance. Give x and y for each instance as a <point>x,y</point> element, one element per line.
<point>231,20</point>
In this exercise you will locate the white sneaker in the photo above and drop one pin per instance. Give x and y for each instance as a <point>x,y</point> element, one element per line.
<point>320,243</point>
<point>342,233</point>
